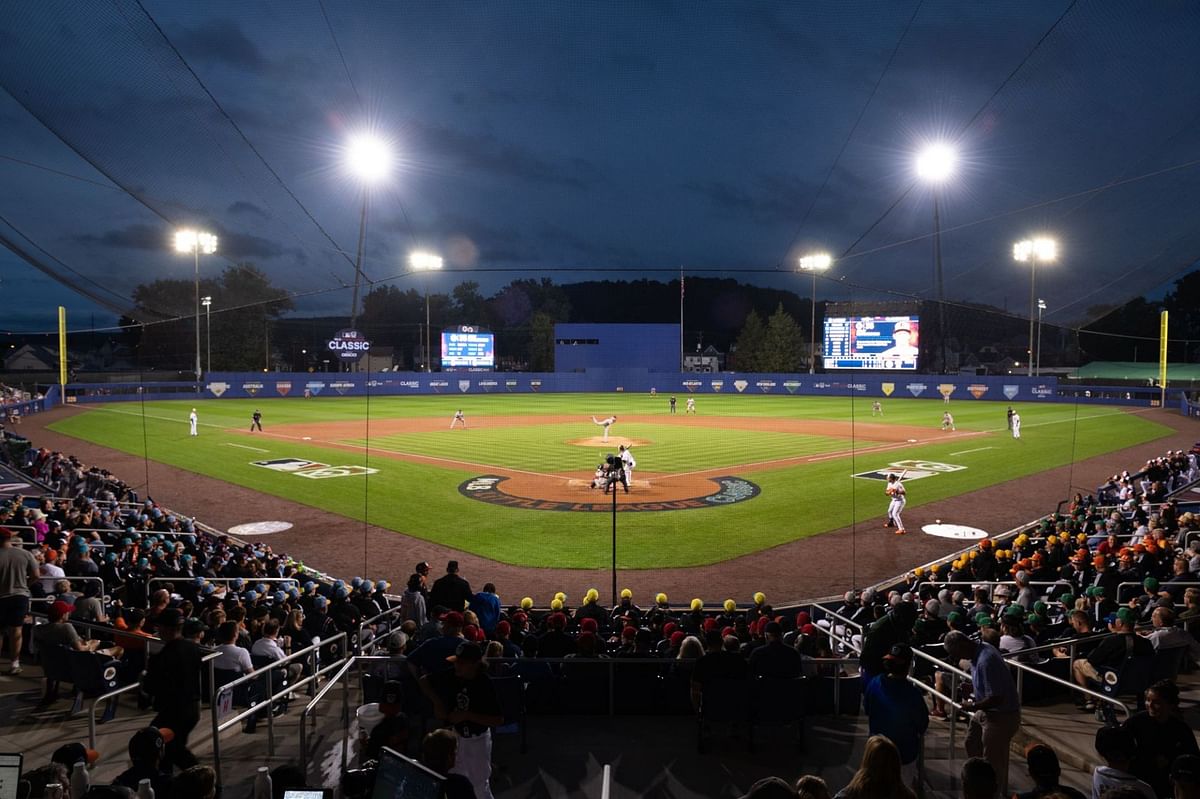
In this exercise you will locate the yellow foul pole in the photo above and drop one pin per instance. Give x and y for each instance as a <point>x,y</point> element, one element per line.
<point>62,353</point>
<point>1162,361</point>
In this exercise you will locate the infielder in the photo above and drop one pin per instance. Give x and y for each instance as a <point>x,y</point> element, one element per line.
<point>896,491</point>
<point>458,417</point>
<point>691,405</point>
<point>256,420</point>
<point>605,423</point>
<point>193,420</point>
<point>948,421</point>
<point>1016,425</point>
<point>627,463</point>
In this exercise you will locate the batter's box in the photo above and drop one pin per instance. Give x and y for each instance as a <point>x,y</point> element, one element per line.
<point>882,474</point>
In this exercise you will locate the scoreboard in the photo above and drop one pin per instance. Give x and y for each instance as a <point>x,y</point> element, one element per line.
<point>467,347</point>
<point>871,342</point>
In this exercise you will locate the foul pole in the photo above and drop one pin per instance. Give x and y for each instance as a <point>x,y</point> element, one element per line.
<point>1162,361</point>
<point>62,353</point>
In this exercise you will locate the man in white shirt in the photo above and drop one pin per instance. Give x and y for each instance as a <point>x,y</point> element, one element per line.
<point>49,569</point>
<point>192,421</point>
<point>268,647</point>
<point>232,657</point>
<point>1166,635</point>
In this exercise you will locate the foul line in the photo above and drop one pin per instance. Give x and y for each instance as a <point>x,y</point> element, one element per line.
<point>243,446</point>
<point>965,451</point>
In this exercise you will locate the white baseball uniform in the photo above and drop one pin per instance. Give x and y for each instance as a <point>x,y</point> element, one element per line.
<point>1016,425</point>
<point>948,421</point>
<point>628,464</point>
<point>605,423</point>
<point>897,492</point>
<point>193,421</point>
<point>691,405</point>
<point>458,417</point>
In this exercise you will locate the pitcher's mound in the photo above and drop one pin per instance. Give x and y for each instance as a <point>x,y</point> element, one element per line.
<point>613,442</point>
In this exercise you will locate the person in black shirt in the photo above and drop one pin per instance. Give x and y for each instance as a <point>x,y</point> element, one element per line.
<point>173,679</point>
<point>451,591</point>
<point>717,663</point>
<point>1161,735</point>
<point>256,420</point>
<point>774,658</point>
<point>465,698</point>
<point>146,749</point>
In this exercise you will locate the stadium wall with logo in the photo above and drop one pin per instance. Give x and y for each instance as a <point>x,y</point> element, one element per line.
<point>227,385</point>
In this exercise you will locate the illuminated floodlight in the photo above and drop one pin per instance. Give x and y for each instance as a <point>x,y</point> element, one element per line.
<point>936,162</point>
<point>1039,249</point>
<point>194,241</point>
<point>817,262</point>
<point>206,301</point>
<point>368,158</point>
<point>424,261</point>
<point>1041,305</point>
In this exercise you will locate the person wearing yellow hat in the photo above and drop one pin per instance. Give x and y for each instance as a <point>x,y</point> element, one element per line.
<point>590,609</point>
<point>625,611</point>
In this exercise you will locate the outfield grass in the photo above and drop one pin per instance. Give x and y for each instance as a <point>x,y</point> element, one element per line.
<point>423,501</point>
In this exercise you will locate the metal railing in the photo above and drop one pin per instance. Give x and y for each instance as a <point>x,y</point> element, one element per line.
<point>266,703</point>
<point>309,714</point>
<point>1096,695</point>
<point>367,647</point>
<point>115,694</point>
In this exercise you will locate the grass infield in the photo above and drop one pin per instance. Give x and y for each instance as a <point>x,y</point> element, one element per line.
<point>748,436</point>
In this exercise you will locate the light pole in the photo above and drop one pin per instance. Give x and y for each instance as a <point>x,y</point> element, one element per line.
<point>207,303</point>
<point>935,164</point>
<point>425,262</point>
<point>817,262</point>
<point>368,158</point>
<point>1037,371</point>
<point>196,242</point>
<point>1032,251</point>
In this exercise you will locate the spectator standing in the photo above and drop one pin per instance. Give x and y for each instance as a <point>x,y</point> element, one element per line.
<point>451,591</point>
<point>412,602</point>
<point>878,775</point>
<point>775,658</point>
<point>1160,735</point>
<point>465,698</point>
<point>717,663</point>
<point>896,709</point>
<point>18,570</point>
<point>995,708</point>
<point>173,679</point>
<point>486,607</point>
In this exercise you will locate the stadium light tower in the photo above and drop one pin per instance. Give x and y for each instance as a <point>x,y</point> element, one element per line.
<point>813,264</point>
<point>207,303</point>
<point>368,159</point>
<point>1032,251</point>
<point>425,262</point>
<point>196,242</point>
<point>935,165</point>
<point>1037,370</point>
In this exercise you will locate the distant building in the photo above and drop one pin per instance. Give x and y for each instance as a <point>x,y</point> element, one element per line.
<point>709,360</point>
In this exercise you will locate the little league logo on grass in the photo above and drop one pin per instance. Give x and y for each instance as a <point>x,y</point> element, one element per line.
<point>312,469</point>
<point>491,488</point>
<point>911,469</point>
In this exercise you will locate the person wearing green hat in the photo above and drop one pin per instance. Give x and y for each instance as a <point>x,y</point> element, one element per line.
<point>1109,655</point>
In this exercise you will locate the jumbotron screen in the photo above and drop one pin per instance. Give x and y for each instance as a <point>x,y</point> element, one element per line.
<point>871,342</point>
<point>468,350</point>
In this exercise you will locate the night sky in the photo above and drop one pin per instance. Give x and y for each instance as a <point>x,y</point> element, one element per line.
<point>723,137</point>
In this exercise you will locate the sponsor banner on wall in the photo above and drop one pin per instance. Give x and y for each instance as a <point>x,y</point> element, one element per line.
<point>283,387</point>
<point>464,385</point>
<point>717,385</point>
<point>252,388</point>
<point>535,385</point>
<point>439,385</point>
<point>348,345</point>
<point>765,386</point>
<point>692,385</point>
<point>509,385</point>
<point>218,388</point>
<point>887,388</point>
<point>740,385</point>
<point>314,387</point>
<point>916,389</point>
<point>1042,390</point>
<point>977,390</point>
<point>489,385</point>
<point>1010,391</point>
<point>946,389</point>
<point>791,386</point>
<point>822,385</point>
<point>413,384</point>
<point>342,386</point>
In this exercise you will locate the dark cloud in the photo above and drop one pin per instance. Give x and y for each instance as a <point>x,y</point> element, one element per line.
<point>768,199</point>
<point>220,41</point>
<point>232,245</point>
<point>132,237</point>
<point>486,152</point>
<point>247,209</point>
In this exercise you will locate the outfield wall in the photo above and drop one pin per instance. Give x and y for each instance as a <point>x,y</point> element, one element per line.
<point>227,385</point>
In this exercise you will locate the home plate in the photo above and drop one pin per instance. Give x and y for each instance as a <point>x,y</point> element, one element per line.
<point>960,531</point>
<point>260,528</point>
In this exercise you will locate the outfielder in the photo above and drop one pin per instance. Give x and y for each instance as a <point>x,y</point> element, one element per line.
<point>877,408</point>
<point>691,405</point>
<point>193,420</point>
<point>948,421</point>
<point>896,491</point>
<point>606,423</point>
<point>1016,425</point>
<point>458,417</point>
<point>627,463</point>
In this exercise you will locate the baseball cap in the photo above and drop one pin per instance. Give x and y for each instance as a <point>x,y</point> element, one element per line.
<point>70,754</point>
<point>422,568</point>
<point>148,742</point>
<point>1186,769</point>
<point>467,652</point>
<point>453,619</point>
<point>899,651</point>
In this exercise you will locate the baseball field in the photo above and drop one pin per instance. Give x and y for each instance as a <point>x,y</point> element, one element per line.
<point>743,474</point>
